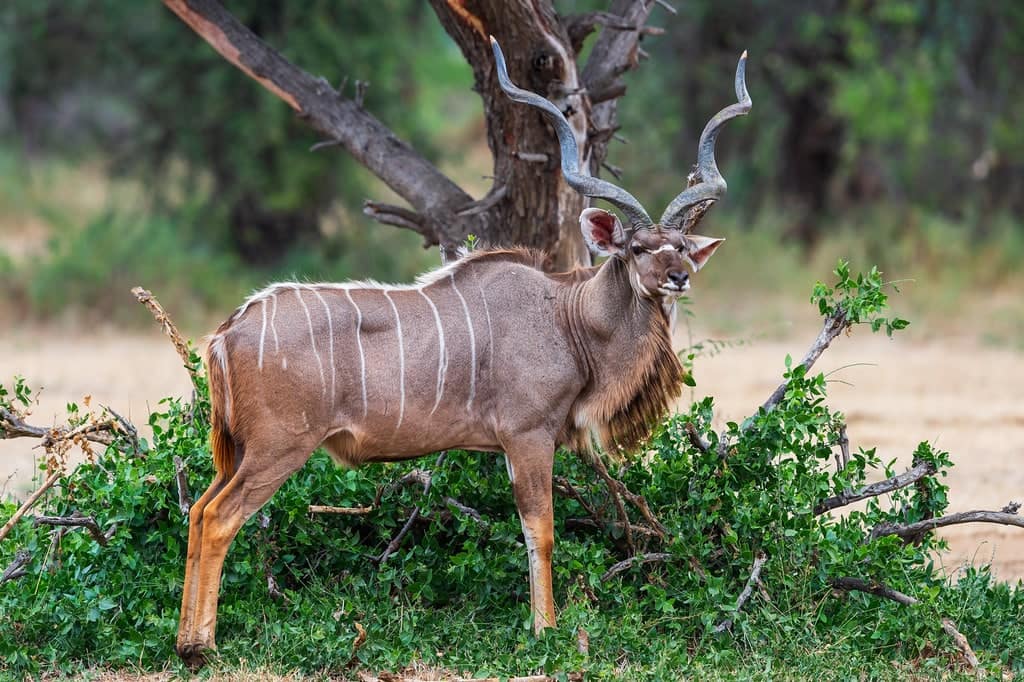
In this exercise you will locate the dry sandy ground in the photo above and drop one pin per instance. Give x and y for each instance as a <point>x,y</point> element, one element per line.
<point>963,397</point>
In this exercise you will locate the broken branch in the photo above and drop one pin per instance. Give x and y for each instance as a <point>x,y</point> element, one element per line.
<point>16,569</point>
<point>170,329</point>
<point>184,504</point>
<point>32,499</point>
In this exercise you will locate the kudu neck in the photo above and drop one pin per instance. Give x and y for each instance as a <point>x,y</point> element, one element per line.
<point>610,306</point>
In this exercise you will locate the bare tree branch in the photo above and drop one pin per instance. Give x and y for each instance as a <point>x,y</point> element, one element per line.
<point>833,326</point>
<point>399,216</point>
<point>614,53</point>
<point>748,589</point>
<point>371,142</point>
<point>184,504</point>
<point>908,531</point>
<point>881,590</point>
<point>636,560</point>
<point>497,193</point>
<point>875,489</point>
<point>427,479</point>
<point>87,522</point>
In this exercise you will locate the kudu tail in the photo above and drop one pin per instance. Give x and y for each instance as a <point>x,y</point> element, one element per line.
<point>222,443</point>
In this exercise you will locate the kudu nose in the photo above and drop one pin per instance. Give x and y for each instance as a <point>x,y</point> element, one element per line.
<point>679,277</point>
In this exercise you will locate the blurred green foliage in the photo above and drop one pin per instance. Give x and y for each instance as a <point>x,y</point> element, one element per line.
<point>882,129</point>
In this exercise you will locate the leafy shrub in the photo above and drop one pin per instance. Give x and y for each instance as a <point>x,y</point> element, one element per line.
<point>456,596</point>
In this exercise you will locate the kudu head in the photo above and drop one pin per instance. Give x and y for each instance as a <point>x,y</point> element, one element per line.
<point>659,256</point>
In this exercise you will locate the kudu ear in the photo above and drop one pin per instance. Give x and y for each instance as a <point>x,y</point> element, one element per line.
<point>602,231</point>
<point>701,249</point>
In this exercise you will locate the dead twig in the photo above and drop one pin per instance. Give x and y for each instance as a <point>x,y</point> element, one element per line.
<point>427,478</point>
<point>184,504</point>
<point>87,522</point>
<point>170,329</point>
<point>875,489</point>
<point>696,440</point>
<point>635,560</point>
<point>485,204</point>
<point>32,499</point>
<point>16,569</point>
<point>748,589</point>
<point>613,485</point>
<point>346,511</point>
<point>590,524</point>
<point>849,584</point>
<point>467,510</point>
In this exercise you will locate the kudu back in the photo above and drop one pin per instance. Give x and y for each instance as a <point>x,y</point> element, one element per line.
<point>488,353</point>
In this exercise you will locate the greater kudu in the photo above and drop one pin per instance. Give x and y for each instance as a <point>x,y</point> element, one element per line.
<point>488,353</point>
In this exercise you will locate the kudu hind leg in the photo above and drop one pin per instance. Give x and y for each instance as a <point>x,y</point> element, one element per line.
<point>261,473</point>
<point>195,532</point>
<point>530,468</point>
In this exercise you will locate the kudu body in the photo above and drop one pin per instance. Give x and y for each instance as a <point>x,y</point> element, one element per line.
<point>488,353</point>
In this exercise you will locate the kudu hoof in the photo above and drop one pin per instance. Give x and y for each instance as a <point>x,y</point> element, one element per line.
<point>195,655</point>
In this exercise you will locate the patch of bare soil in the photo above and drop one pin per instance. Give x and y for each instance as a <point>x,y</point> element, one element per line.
<point>962,396</point>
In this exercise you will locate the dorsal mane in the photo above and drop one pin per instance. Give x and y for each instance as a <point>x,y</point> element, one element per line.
<point>520,256</point>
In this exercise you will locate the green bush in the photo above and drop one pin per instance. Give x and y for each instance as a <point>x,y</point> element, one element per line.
<point>455,595</point>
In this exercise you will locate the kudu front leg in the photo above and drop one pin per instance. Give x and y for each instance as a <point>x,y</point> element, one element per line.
<point>530,469</point>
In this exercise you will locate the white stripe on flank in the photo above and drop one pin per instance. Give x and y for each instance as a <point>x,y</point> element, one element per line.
<point>442,358</point>
<point>490,332</point>
<point>401,363</point>
<point>472,345</point>
<point>273,327</point>
<point>330,341</point>
<point>359,342</point>
<point>263,334</point>
<point>312,341</point>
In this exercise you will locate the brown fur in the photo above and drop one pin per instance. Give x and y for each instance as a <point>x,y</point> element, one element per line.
<point>624,413</point>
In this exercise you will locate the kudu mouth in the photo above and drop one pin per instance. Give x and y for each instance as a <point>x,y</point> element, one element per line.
<point>705,184</point>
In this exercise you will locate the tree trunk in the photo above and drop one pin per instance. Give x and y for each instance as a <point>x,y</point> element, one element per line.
<point>538,209</point>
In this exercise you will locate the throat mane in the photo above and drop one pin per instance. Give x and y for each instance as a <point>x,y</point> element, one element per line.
<point>629,393</point>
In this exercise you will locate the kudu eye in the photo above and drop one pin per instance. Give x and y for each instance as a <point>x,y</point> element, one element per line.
<point>637,249</point>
